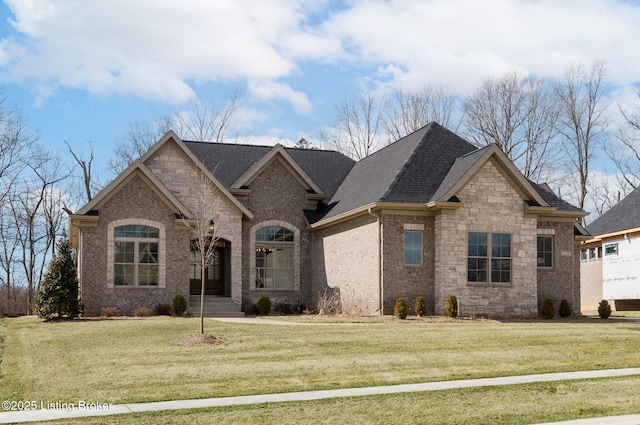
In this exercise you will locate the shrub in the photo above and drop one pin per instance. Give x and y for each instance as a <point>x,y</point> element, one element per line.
<point>604,309</point>
<point>328,302</point>
<point>451,307</point>
<point>401,310</point>
<point>109,311</point>
<point>263,306</point>
<point>548,309</point>
<point>283,308</point>
<point>565,309</point>
<point>421,308</point>
<point>162,310</point>
<point>179,305</point>
<point>142,311</point>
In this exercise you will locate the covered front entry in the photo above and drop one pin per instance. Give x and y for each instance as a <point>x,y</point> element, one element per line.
<point>216,275</point>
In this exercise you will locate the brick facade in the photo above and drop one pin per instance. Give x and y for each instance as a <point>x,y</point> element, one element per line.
<point>562,280</point>
<point>345,259</point>
<point>276,198</point>
<point>407,281</point>
<point>143,206</point>
<point>361,257</point>
<point>178,173</point>
<point>489,204</point>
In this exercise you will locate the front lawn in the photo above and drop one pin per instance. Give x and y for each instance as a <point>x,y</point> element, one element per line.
<point>122,361</point>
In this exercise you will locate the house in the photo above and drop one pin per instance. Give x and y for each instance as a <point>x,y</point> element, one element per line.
<point>610,260</point>
<point>429,215</point>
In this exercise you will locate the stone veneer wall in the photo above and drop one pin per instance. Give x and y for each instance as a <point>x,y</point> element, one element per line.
<point>407,281</point>
<point>560,281</point>
<point>276,196</point>
<point>489,204</point>
<point>135,203</point>
<point>177,172</point>
<point>345,260</point>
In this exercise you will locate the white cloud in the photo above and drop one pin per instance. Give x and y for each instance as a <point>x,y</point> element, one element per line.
<point>265,90</point>
<point>158,49</point>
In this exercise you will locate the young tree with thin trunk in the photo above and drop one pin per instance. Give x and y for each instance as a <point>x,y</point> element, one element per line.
<point>202,202</point>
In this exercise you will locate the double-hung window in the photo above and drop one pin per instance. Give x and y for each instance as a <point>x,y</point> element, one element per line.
<point>136,255</point>
<point>489,257</point>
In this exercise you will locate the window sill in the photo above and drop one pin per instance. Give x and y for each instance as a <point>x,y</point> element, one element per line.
<point>275,290</point>
<point>490,284</point>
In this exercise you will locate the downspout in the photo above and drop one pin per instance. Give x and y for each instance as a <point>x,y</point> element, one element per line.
<point>380,275</point>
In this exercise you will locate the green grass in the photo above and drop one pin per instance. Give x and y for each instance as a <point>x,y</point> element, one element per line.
<point>122,361</point>
<point>625,314</point>
<point>518,404</point>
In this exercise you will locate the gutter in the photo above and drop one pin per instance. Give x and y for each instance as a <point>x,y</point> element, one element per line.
<point>380,274</point>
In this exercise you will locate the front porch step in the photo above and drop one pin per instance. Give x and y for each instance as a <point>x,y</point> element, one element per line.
<point>214,306</point>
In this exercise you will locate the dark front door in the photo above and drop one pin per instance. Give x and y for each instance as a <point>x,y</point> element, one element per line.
<point>214,275</point>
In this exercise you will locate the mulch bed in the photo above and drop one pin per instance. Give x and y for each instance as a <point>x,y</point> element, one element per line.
<point>200,339</point>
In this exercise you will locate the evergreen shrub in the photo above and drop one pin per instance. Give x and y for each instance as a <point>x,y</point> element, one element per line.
<point>548,309</point>
<point>400,310</point>
<point>263,306</point>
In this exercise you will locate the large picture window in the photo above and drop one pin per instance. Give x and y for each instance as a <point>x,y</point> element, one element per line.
<point>275,258</point>
<point>136,255</point>
<point>489,257</point>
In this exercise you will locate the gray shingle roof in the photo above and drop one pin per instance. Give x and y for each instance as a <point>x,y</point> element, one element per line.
<point>228,162</point>
<point>421,167</point>
<point>624,215</point>
<point>407,171</point>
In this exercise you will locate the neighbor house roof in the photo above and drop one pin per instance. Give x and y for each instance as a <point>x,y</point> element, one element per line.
<point>622,216</point>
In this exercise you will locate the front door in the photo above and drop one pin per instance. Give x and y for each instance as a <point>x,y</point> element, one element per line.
<point>213,275</point>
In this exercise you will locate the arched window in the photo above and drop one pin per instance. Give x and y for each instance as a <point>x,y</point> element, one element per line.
<point>275,258</point>
<point>136,255</point>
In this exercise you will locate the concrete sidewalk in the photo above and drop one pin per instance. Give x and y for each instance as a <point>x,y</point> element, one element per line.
<point>79,410</point>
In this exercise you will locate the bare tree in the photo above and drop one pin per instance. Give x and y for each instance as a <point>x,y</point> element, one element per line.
<point>15,141</point>
<point>139,138</point>
<point>517,114</point>
<point>86,167</point>
<point>625,154</point>
<point>357,123</point>
<point>206,121</point>
<point>409,111</point>
<point>202,203</point>
<point>582,120</point>
<point>37,215</point>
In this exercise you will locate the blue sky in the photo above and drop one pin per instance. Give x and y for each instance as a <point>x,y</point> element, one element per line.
<point>85,70</point>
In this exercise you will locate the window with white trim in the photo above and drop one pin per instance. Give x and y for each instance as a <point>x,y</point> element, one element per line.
<point>489,257</point>
<point>136,255</point>
<point>275,258</point>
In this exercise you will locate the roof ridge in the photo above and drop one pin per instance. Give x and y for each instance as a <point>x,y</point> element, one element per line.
<point>203,142</point>
<point>408,161</point>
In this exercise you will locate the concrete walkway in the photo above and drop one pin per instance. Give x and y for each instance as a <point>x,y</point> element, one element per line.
<point>53,411</point>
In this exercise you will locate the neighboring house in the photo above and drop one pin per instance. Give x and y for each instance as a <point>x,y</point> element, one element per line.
<point>429,215</point>
<point>610,261</point>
